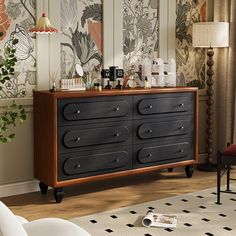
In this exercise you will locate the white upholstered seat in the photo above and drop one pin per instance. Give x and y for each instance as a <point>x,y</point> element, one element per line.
<point>11,225</point>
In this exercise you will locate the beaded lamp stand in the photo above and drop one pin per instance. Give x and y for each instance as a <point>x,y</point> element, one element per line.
<point>208,165</point>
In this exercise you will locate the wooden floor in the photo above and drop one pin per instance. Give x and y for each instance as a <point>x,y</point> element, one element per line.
<point>101,196</point>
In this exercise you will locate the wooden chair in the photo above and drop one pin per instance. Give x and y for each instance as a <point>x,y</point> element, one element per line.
<point>225,159</point>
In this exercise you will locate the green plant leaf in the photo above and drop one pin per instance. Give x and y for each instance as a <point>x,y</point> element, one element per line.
<point>14,114</point>
<point>11,136</point>
<point>15,41</point>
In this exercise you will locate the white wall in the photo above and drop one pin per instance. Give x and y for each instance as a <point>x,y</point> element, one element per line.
<point>16,158</point>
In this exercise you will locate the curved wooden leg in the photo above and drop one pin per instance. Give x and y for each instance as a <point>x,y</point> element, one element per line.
<point>43,188</point>
<point>189,171</point>
<point>58,194</point>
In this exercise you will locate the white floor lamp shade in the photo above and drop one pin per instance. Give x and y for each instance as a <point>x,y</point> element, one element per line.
<point>211,34</point>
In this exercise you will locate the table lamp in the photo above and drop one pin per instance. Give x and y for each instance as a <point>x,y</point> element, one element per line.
<point>210,35</point>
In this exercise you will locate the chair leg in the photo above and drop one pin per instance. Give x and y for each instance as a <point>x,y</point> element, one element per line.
<point>228,178</point>
<point>218,176</point>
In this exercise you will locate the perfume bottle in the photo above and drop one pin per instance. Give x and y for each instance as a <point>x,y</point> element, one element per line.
<point>108,86</point>
<point>146,85</point>
<point>118,86</point>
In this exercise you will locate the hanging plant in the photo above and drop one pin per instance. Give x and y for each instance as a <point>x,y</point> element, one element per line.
<point>14,113</point>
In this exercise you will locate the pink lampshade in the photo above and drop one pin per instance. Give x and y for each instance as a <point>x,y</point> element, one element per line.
<point>43,26</point>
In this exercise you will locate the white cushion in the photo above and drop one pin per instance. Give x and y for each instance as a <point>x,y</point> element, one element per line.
<point>53,227</point>
<point>9,225</point>
<point>21,219</point>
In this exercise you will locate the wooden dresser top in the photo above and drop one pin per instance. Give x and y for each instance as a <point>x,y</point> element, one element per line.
<point>115,92</point>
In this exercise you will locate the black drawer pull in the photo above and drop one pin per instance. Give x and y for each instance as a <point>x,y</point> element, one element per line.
<point>181,104</point>
<point>150,106</point>
<point>78,112</point>
<point>78,166</point>
<point>149,155</point>
<point>117,134</point>
<point>181,150</point>
<point>117,109</point>
<point>181,127</point>
<point>149,131</point>
<point>78,139</point>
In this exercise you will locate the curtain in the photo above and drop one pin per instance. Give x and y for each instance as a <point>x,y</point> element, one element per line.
<point>225,68</point>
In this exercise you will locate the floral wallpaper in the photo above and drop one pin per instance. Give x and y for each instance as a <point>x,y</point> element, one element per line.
<point>190,61</point>
<point>81,39</point>
<point>16,17</point>
<point>140,32</point>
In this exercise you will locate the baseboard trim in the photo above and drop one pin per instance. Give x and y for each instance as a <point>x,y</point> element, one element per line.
<point>19,188</point>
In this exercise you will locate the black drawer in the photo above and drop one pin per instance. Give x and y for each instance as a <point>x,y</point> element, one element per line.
<point>98,135</point>
<point>163,152</point>
<point>163,128</point>
<point>79,110</point>
<point>164,104</point>
<point>93,162</point>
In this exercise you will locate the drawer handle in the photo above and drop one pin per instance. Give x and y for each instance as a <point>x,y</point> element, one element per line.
<point>117,134</point>
<point>78,139</point>
<point>181,150</point>
<point>149,155</point>
<point>78,166</point>
<point>181,127</point>
<point>150,106</point>
<point>116,160</point>
<point>149,131</point>
<point>117,109</point>
<point>181,104</point>
<point>78,112</point>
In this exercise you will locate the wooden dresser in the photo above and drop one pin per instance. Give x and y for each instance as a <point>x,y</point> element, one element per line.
<point>88,136</point>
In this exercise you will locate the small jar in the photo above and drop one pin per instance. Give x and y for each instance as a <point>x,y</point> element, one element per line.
<point>97,87</point>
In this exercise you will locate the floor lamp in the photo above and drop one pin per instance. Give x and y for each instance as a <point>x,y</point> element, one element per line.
<point>210,35</point>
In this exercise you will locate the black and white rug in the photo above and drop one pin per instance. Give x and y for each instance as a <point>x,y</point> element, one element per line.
<point>197,214</point>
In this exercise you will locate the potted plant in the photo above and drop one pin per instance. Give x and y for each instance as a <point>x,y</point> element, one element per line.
<point>14,113</point>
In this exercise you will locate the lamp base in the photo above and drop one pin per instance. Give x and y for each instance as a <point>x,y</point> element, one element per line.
<point>207,167</point>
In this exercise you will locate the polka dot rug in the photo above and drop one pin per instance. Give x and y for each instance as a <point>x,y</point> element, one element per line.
<point>197,214</point>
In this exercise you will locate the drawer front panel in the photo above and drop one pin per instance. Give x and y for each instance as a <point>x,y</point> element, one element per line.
<point>160,153</point>
<point>97,136</point>
<point>164,104</point>
<point>163,153</point>
<point>74,110</point>
<point>71,138</point>
<point>163,129</point>
<point>84,164</point>
<point>94,162</point>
